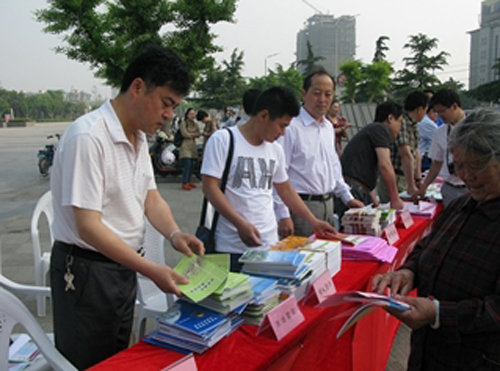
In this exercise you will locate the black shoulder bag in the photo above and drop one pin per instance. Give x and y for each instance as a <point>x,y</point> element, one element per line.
<point>204,233</point>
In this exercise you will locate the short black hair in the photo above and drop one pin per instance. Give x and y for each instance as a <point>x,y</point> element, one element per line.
<point>446,98</point>
<point>416,99</point>
<point>387,108</point>
<point>317,71</point>
<point>278,102</point>
<point>158,66</point>
<point>201,115</point>
<point>249,98</point>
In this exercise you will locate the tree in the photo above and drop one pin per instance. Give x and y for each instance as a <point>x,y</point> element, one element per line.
<point>377,80</point>
<point>287,78</point>
<point>222,86</point>
<point>353,72</point>
<point>420,66</point>
<point>310,61</point>
<point>107,35</point>
<point>380,48</point>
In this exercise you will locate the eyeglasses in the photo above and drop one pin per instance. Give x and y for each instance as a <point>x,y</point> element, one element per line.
<point>441,111</point>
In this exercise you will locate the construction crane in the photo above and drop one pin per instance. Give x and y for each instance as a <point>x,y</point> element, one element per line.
<point>312,6</point>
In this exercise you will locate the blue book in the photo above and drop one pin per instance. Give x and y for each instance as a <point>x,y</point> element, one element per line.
<point>261,286</point>
<point>271,257</point>
<point>192,318</point>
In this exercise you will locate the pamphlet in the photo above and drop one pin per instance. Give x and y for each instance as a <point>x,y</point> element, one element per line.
<point>370,301</point>
<point>204,276</point>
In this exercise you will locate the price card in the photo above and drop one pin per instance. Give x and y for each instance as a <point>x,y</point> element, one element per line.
<point>391,234</point>
<point>323,287</point>
<point>186,363</point>
<point>406,219</point>
<point>283,319</point>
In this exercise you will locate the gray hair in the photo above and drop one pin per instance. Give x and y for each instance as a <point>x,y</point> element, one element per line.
<point>478,134</point>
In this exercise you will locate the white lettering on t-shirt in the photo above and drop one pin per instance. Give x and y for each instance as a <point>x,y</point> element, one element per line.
<point>245,169</point>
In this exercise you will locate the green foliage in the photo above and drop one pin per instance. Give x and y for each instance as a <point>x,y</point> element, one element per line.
<point>380,48</point>
<point>420,66</point>
<point>51,104</point>
<point>377,82</point>
<point>289,78</point>
<point>353,72</point>
<point>107,35</point>
<point>222,86</point>
<point>310,61</point>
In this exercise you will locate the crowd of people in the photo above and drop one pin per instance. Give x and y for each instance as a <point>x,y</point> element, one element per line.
<point>288,174</point>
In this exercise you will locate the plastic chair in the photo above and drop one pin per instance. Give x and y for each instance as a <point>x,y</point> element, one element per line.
<point>13,311</point>
<point>41,259</point>
<point>151,300</point>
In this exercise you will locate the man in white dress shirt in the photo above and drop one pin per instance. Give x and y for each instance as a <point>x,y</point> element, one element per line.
<point>312,163</point>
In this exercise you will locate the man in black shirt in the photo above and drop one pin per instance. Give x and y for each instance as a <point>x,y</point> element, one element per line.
<point>368,153</point>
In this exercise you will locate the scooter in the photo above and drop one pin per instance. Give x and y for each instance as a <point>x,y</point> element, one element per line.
<point>170,164</point>
<point>46,156</point>
<point>165,157</point>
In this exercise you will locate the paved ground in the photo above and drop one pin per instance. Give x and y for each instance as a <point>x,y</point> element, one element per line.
<point>21,185</point>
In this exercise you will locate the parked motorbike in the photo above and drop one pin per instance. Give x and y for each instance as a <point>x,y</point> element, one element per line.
<point>46,156</point>
<point>165,157</point>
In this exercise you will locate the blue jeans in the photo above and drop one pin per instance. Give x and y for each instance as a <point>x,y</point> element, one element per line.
<point>187,169</point>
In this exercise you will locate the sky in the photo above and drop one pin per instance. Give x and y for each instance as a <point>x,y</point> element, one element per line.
<point>261,28</point>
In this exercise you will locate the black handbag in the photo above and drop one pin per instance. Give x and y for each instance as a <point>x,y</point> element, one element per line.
<point>204,233</point>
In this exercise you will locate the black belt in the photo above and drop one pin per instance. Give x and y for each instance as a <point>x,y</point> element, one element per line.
<point>324,197</point>
<point>86,253</point>
<point>456,185</point>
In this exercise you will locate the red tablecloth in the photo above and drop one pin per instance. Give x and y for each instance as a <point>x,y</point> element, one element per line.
<point>311,346</point>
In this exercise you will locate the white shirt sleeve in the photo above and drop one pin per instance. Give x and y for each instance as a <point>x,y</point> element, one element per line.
<point>280,209</point>
<point>215,155</point>
<point>341,190</point>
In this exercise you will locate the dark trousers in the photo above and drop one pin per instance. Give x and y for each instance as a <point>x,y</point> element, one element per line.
<point>94,321</point>
<point>187,169</point>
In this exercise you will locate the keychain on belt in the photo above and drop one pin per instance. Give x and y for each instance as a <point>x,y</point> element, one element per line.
<point>68,276</point>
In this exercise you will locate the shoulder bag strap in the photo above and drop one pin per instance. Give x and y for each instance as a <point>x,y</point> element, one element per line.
<point>223,183</point>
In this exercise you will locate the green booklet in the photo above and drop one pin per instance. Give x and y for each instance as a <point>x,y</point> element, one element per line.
<point>203,274</point>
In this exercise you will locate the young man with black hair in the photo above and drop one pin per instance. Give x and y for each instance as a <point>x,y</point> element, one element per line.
<point>447,104</point>
<point>103,187</point>
<point>258,164</point>
<point>368,154</point>
<point>405,154</point>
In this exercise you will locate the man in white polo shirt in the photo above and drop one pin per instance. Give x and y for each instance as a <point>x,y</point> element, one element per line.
<point>312,163</point>
<point>103,186</point>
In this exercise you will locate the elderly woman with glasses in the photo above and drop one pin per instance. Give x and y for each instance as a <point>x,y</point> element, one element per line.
<point>456,269</point>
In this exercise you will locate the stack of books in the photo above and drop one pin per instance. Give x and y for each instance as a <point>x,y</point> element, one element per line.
<point>283,264</point>
<point>265,297</point>
<point>364,220</point>
<point>189,327</point>
<point>387,217</point>
<point>233,294</point>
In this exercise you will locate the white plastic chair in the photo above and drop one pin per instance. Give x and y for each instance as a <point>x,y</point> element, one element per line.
<point>13,311</point>
<point>41,259</point>
<point>151,300</point>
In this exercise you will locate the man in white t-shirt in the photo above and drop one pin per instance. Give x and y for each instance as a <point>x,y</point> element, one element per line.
<point>103,187</point>
<point>447,104</point>
<point>258,164</point>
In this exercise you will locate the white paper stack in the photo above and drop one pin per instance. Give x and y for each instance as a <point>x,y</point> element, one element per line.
<point>364,220</point>
<point>330,249</point>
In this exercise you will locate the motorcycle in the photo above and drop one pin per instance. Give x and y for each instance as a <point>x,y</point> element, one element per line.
<point>165,157</point>
<point>46,156</point>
